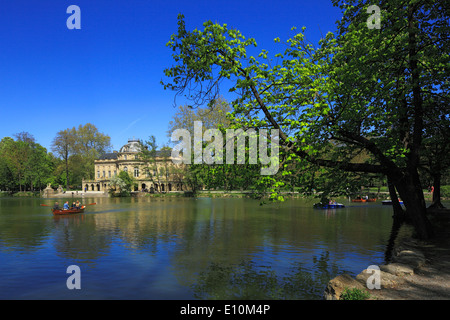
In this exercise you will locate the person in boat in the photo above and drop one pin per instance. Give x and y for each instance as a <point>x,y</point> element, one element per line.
<point>73,205</point>
<point>66,205</point>
<point>56,206</point>
<point>78,205</point>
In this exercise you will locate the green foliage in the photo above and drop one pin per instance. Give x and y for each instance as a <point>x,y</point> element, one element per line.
<point>155,170</point>
<point>118,184</point>
<point>78,148</point>
<point>213,116</point>
<point>26,194</point>
<point>358,102</point>
<point>445,191</point>
<point>123,183</point>
<point>24,163</point>
<point>213,176</point>
<point>354,294</point>
<point>327,100</point>
<point>128,181</point>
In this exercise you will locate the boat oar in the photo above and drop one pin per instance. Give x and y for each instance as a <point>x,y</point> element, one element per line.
<point>45,205</point>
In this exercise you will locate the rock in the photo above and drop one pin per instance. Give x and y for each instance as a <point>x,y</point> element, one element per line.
<point>411,253</point>
<point>415,259</point>
<point>336,286</point>
<point>413,262</point>
<point>397,269</point>
<point>417,270</point>
<point>387,280</point>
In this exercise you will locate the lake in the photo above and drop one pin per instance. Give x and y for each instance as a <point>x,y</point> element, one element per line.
<point>185,248</point>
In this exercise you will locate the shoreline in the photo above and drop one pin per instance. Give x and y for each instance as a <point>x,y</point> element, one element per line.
<point>417,270</point>
<point>201,193</point>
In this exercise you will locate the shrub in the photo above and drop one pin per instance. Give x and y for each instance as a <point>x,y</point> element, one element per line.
<point>354,294</point>
<point>445,191</point>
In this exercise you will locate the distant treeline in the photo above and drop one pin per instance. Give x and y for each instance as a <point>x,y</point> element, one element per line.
<point>25,165</point>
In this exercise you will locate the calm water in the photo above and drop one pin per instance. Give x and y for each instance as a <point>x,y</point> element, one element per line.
<point>185,248</point>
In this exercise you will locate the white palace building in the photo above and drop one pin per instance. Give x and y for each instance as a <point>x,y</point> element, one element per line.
<point>158,175</point>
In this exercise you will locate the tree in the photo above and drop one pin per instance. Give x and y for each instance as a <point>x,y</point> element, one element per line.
<point>147,154</point>
<point>123,182</point>
<point>79,147</point>
<point>63,145</point>
<point>89,144</point>
<point>128,181</point>
<point>24,162</point>
<point>408,73</point>
<point>7,179</point>
<point>212,176</point>
<point>362,88</point>
<point>212,116</point>
<point>18,154</point>
<point>25,137</point>
<point>435,161</point>
<point>39,166</point>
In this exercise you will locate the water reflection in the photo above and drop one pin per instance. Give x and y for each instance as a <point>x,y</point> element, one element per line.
<point>192,248</point>
<point>247,280</point>
<point>76,238</point>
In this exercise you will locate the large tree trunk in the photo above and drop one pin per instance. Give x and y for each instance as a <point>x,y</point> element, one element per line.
<point>436,200</point>
<point>399,214</point>
<point>410,191</point>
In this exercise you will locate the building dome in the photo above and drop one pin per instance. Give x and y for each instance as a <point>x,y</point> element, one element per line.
<point>131,146</point>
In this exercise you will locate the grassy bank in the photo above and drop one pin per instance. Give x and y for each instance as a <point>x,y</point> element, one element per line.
<point>222,194</point>
<point>32,194</point>
<point>27,194</point>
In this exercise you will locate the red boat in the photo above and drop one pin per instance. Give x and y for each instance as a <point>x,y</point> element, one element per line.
<point>363,200</point>
<point>69,211</point>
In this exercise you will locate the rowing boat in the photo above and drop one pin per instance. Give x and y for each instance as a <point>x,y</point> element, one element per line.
<point>328,206</point>
<point>364,200</point>
<point>68,211</point>
<point>389,202</point>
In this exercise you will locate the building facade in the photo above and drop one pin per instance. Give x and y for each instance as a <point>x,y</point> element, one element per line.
<point>159,174</point>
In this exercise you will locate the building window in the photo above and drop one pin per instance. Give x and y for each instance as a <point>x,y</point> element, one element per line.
<point>125,157</point>
<point>125,169</point>
<point>136,157</point>
<point>104,174</point>
<point>109,174</point>
<point>98,174</point>
<point>136,172</point>
<point>115,173</point>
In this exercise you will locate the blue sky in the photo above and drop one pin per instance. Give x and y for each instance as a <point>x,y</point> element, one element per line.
<point>108,73</point>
